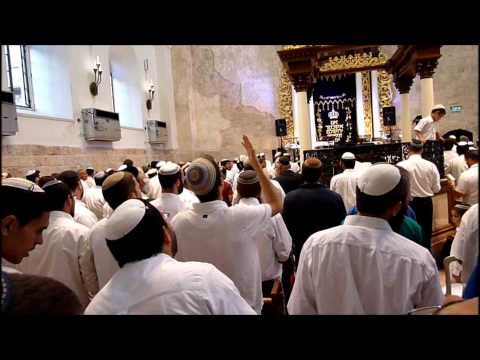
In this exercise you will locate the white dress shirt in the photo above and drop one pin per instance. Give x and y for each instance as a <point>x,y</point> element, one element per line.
<point>58,256</point>
<point>105,263</point>
<point>154,188</point>
<point>428,128</point>
<point>94,201</point>
<point>107,210</point>
<point>363,267</point>
<point>345,184</point>
<point>274,243</point>
<point>163,286</point>
<point>448,155</point>
<point>83,215</point>
<point>214,233</point>
<point>457,166</point>
<point>465,244</point>
<point>424,176</point>
<point>91,182</point>
<point>169,204</point>
<point>468,185</point>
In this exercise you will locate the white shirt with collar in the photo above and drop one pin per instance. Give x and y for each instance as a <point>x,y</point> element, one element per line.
<point>345,184</point>
<point>154,188</point>
<point>214,233</point>
<point>94,201</point>
<point>457,166</point>
<point>90,182</point>
<point>363,267</point>
<point>274,243</point>
<point>468,185</point>
<point>465,244</point>
<point>428,128</point>
<point>58,256</point>
<point>448,155</point>
<point>424,176</point>
<point>169,204</point>
<point>189,197</point>
<point>83,215</point>
<point>163,286</point>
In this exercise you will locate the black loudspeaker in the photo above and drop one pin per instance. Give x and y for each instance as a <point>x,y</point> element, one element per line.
<point>389,116</point>
<point>281,127</point>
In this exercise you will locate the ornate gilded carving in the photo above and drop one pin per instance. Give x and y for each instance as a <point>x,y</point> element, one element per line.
<point>367,102</point>
<point>350,62</point>
<point>285,102</point>
<point>385,91</point>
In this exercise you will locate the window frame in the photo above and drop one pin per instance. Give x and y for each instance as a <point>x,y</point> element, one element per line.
<point>26,74</point>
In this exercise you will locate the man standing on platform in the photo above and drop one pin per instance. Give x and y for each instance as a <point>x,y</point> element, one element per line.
<point>427,128</point>
<point>424,183</point>
<point>345,183</point>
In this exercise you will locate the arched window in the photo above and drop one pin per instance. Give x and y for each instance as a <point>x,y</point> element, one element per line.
<point>126,87</point>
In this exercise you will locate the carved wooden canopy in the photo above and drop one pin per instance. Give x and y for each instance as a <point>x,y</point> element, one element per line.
<point>304,64</point>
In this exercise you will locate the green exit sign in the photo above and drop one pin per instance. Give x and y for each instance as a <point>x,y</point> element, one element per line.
<point>456,108</point>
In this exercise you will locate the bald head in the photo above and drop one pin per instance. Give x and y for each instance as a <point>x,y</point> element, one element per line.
<point>119,187</point>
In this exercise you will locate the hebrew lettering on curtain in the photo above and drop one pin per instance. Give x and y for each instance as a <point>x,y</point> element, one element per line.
<point>335,110</point>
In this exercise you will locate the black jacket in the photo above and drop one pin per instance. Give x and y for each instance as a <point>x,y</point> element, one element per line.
<point>311,208</point>
<point>289,181</point>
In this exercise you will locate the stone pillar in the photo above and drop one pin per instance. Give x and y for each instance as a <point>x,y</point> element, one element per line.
<point>426,69</point>
<point>403,86</point>
<point>303,121</point>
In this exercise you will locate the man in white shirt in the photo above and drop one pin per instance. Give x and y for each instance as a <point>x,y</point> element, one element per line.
<point>467,184</point>
<point>58,256</point>
<point>116,189</point>
<point>150,281</point>
<point>424,183</point>
<point>458,165</point>
<point>363,266</point>
<point>273,239</point>
<point>465,244</point>
<point>345,183</point>
<point>187,195</point>
<point>448,152</point>
<point>90,177</point>
<point>169,202</point>
<point>153,185</point>
<point>223,236</point>
<point>82,214</point>
<point>24,215</point>
<point>427,128</point>
<point>93,197</point>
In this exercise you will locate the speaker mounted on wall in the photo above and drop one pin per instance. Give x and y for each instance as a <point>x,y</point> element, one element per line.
<point>281,127</point>
<point>389,116</point>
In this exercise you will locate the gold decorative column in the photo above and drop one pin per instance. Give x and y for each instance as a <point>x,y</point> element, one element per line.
<point>367,103</point>
<point>285,103</point>
<point>303,120</point>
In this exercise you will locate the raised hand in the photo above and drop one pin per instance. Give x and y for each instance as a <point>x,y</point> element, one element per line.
<point>248,148</point>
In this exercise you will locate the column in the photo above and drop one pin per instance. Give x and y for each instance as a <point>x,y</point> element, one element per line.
<point>303,121</point>
<point>403,86</point>
<point>426,68</point>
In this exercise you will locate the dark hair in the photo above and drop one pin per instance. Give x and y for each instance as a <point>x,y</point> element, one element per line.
<point>247,166</point>
<point>240,165</point>
<point>128,162</point>
<point>397,220</point>
<point>348,163</point>
<point>39,295</point>
<point>57,196</point>
<point>448,144</point>
<point>441,111</point>
<point>119,192</point>
<point>70,178</point>
<point>224,162</point>
<point>24,205</point>
<point>44,179</point>
<point>132,170</point>
<point>417,119</point>
<point>55,175</point>
<point>462,149</point>
<point>472,155</point>
<point>153,164</point>
<point>33,177</point>
<point>224,172</point>
<point>90,172</point>
<point>284,160</point>
<point>167,181</point>
<point>100,179</point>
<point>249,190</point>
<point>214,193</point>
<point>378,205</point>
<point>311,170</point>
<point>143,242</point>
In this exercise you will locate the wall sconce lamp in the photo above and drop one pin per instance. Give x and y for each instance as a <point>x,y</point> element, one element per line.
<point>150,96</point>
<point>97,71</point>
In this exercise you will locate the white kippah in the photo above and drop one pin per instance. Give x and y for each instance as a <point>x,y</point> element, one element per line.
<point>90,168</point>
<point>438,107</point>
<point>170,168</point>
<point>124,219</point>
<point>470,143</point>
<point>30,172</point>
<point>472,148</point>
<point>462,143</point>
<point>152,172</point>
<point>379,179</point>
<point>108,170</point>
<point>122,167</point>
<point>453,137</point>
<point>160,164</point>
<point>22,184</point>
<point>348,156</point>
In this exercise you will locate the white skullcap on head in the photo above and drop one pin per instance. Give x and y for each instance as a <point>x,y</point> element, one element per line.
<point>30,172</point>
<point>439,107</point>
<point>462,143</point>
<point>4,175</point>
<point>108,170</point>
<point>122,167</point>
<point>201,176</point>
<point>348,156</point>
<point>124,219</point>
<point>470,143</point>
<point>379,179</point>
<point>472,148</point>
<point>22,184</point>
<point>160,164</point>
<point>453,137</point>
<point>90,168</point>
<point>170,168</point>
<point>152,172</point>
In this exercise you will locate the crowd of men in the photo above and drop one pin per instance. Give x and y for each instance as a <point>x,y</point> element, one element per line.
<point>235,237</point>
